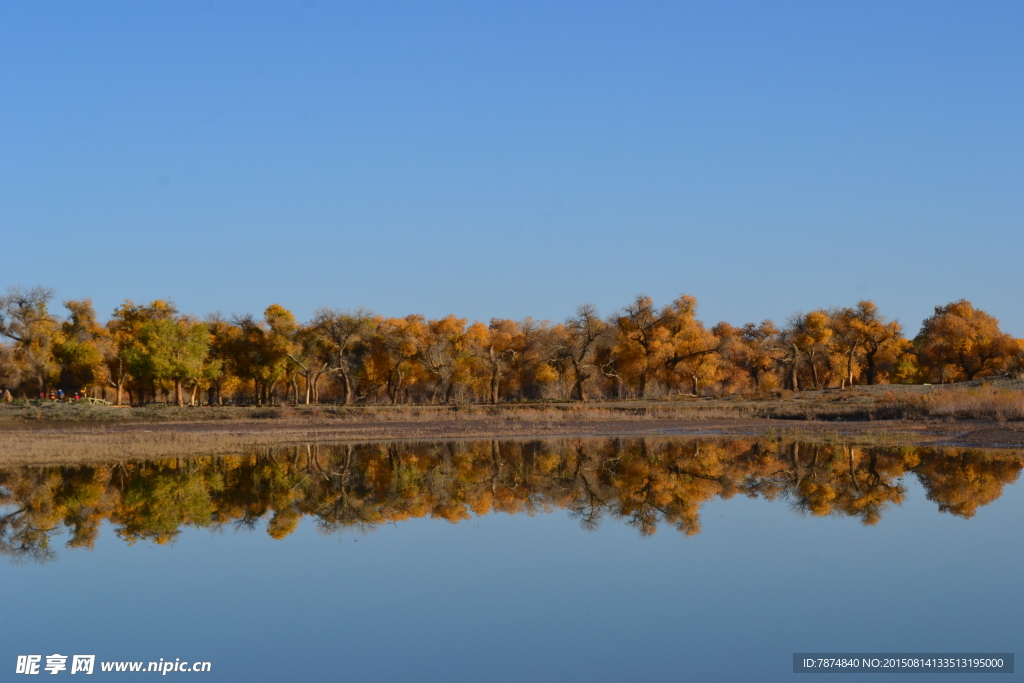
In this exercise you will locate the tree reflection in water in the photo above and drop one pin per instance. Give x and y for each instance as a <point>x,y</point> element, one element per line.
<point>643,482</point>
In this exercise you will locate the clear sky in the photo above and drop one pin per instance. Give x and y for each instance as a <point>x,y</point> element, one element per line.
<point>514,159</point>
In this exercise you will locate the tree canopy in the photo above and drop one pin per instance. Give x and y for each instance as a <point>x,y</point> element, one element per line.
<point>152,352</point>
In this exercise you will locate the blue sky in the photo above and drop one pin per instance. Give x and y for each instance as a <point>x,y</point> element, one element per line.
<point>515,159</point>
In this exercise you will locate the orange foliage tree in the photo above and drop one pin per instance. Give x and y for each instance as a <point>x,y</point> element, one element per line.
<point>962,342</point>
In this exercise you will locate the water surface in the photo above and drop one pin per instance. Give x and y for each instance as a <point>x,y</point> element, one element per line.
<point>578,560</point>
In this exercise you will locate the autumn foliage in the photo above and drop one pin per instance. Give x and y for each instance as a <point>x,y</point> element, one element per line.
<point>152,352</point>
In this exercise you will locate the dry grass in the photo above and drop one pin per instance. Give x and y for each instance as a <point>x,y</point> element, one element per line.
<point>36,413</point>
<point>174,435</point>
<point>979,400</point>
<point>988,399</point>
<point>64,433</point>
<point>986,402</point>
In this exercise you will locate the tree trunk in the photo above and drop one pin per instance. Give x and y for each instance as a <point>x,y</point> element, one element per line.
<point>580,378</point>
<point>395,385</point>
<point>871,370</point>
<point>495,378</point>
<point>179,394</point>
<point>853,469</point>
<point>314,388</point>
<point>348,387</point>
<point>849,365</point>
<point>495,374</point>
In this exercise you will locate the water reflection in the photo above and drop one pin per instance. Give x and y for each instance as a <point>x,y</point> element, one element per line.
<point>644,482</point>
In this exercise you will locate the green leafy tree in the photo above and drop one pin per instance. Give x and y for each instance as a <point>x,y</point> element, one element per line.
<point>174,349</point>
<point>124,355</point>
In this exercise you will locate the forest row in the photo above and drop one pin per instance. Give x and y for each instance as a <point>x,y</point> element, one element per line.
<point>149,353</point>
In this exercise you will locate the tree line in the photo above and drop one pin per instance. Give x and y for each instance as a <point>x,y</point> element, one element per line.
<point>643,483</point>
<point>152,352</point>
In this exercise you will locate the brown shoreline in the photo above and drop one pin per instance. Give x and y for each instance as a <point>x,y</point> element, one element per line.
<point>64,442</point>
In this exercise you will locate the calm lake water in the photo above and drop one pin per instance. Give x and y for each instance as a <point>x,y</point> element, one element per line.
<point>553,560</point>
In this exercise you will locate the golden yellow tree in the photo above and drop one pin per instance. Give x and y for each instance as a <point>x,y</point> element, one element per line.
<point>962,342</point>
<point>642,338</point>
<point>79,348</point>
<point>494,347</point>
<point>810,334</point>
<point>444,356</point>
<point>691,350</point>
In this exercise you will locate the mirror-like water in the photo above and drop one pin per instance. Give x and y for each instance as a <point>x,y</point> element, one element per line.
<point>339,562</point>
